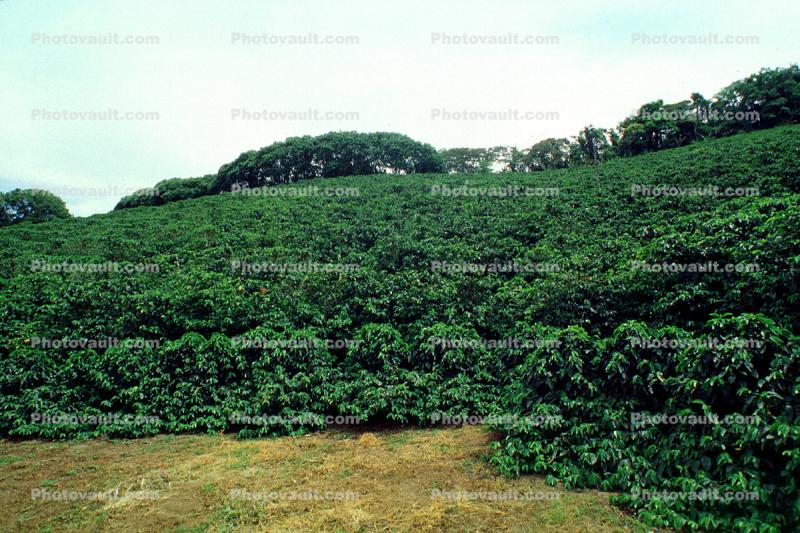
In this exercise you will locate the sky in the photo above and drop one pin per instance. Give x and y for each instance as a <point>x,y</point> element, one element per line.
<point>99,98</point>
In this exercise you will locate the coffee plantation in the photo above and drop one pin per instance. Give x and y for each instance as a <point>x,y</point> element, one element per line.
<point>604,361</point>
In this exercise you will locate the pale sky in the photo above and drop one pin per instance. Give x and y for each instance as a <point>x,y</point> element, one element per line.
<point>394,74</point>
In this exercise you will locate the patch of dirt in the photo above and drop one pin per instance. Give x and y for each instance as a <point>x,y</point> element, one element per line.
<point>340,480</point>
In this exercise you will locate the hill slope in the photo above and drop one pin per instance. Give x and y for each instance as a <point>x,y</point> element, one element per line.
<point>394,229</point>
<point>351,304</point>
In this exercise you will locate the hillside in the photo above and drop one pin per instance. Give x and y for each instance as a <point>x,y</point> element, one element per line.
<point>371,287</point>
<point>394,229</point>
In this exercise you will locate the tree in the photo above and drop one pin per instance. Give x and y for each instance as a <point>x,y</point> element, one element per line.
<point>652,128</point>
<point>467,160</point>
<point>343,153</point>
<point>31,205</point>
<point>548,154</point>
<point>511,159</point>
<point>169,190</point>
<point>763,100</point>
<point>700,107</point>
<point>586,142</point>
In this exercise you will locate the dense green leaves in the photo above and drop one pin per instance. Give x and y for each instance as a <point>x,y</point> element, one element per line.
<point>214,347</point>
<point>326,156</point>
<point>603,389</point>
<point>170,190</point>
<point>31,205</point>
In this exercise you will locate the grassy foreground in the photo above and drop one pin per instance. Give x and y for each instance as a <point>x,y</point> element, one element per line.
<point>394,474</point>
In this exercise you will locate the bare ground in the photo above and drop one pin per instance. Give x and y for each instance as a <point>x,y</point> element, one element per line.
<point>340,480</point>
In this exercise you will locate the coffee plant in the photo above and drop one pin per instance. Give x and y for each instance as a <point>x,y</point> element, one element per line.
<point>207,344</point>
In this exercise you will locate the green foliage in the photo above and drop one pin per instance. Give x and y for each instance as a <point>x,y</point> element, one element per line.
<point>774,94</point>
<point>31,205</point>
<point>326,156</point>
<point>657,126</point>
<point>599,386</point>
<point>467,160</point>
<point>170,190</point>
<point>548,154</point>
<point>766,99</point>
<point>194,370</point>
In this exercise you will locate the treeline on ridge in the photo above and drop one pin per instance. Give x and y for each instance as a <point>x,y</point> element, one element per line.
<point>765,99</point>
<point>298,158</point>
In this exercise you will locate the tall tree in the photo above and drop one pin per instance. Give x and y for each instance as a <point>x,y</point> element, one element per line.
<point>30,205</point>
<point>548,154</point>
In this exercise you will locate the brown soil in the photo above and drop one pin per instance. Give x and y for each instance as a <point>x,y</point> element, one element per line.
<point>385,480</point>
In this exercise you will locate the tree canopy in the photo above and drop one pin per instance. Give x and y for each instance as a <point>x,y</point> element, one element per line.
<point>169,190</point>
<point>765,99</point>
<point>326,156</point>
<point>31,205</point>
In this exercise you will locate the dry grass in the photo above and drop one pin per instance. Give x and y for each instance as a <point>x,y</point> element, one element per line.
<point>393,473</point>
